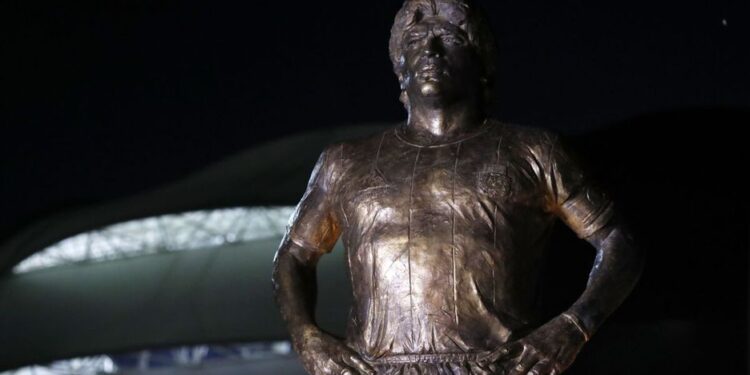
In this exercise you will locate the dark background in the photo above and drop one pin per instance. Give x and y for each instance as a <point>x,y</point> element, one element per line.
<point>105,99</point>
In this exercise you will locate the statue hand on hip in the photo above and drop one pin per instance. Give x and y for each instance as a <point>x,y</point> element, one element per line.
<point>323,354</point>
<point>548,350</point>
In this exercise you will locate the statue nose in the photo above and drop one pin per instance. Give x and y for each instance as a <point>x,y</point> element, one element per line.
<point>433,47</point>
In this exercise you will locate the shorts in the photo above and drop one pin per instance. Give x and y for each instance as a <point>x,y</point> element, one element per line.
<point>433,364</point>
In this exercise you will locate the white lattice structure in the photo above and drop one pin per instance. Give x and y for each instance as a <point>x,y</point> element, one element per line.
<point>78,366</point>
<point>174,232</point>
<point>195,357</point>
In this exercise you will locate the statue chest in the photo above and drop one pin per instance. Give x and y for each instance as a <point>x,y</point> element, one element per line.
<point>433,182</point>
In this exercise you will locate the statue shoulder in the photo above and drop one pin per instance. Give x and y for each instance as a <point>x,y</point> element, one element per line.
<point>365,145</point>
<point>525,140</point>
<point>526,135</point>
<point>339,157</point>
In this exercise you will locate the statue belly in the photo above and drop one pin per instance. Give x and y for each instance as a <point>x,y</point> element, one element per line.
<point>429,294</point>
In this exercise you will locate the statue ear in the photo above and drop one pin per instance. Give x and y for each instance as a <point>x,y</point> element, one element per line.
<point>400,73</point>
<point>400,70</point>
<point>404,98</point>
<point>401,77</point>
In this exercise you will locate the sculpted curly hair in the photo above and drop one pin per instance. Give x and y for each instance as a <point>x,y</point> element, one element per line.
<point>457,12</point>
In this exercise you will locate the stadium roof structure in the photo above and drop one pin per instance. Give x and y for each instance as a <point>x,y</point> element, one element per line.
<point>132,287</point>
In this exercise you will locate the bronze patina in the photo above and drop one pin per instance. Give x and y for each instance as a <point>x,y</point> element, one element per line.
<point>445,220</point>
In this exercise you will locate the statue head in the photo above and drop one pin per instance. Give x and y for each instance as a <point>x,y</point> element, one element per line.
<point>441,47</point>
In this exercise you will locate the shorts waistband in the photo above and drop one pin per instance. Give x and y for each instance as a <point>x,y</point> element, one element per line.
<point>427,358</point>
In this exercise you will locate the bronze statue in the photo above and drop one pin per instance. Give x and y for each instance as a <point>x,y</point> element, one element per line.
<point>445,220</point>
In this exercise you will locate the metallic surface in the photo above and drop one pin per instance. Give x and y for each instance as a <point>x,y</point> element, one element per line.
<point>445,221</point>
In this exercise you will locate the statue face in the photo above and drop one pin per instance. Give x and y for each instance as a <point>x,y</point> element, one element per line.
<point>439,62</point>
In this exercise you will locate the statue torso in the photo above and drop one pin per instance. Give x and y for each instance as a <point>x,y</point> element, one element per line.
<point>443,243</point>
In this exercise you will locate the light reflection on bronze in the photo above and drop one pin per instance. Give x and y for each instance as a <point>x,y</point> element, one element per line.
<point>445,221</point>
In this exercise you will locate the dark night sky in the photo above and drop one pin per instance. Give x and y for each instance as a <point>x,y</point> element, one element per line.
<point>105,99</point>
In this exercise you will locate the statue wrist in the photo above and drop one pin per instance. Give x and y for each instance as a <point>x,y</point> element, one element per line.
<point>302,333</point>
<point>576,322</point>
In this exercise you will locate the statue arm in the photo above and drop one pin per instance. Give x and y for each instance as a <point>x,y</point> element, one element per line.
<point>588,211</point>
<point>313,231</point>
<point>552,348</point>
<point>617,267</point>
<point>295,288</point>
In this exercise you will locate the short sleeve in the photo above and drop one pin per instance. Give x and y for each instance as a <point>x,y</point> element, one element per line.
<point>571,193</point>
<point>314,226</point>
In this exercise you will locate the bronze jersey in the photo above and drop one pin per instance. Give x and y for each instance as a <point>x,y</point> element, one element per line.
<point>443,242</point>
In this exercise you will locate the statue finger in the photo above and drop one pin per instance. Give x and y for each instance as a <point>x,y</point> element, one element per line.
<point>478,368</point>
<point>492,356</point>
<point>508,350</point>
<point>336,366</point>
<point>515,349</point>
<point>357,363</point>
<point>345,370</point>
<point>543,367</point>
<point>525,363</point>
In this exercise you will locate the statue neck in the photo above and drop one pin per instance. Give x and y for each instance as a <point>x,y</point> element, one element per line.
<point>429,125</point>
